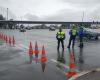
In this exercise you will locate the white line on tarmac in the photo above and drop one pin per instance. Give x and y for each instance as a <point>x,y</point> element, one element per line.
<point>23,46</point>
<point>80,74</point>
<point>61,71</point>
<point>65,66</point>
<point>83,73</point>
<point>55,61</point>
<point>17,46</point>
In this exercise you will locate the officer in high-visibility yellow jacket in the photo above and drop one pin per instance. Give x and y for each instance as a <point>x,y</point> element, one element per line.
<point>73,33</point>
<point>60,36</point>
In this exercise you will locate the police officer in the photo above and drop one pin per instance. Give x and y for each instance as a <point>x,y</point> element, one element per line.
<point>60,36</point>
<point>81,34</point>
<point>73,33</point>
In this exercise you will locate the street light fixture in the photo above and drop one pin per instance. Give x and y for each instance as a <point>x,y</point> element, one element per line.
<point>7,13</point>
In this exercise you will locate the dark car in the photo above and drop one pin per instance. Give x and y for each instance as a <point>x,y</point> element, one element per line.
<point>52,29</point>
<point>28,28</point>
<point>22,29</point>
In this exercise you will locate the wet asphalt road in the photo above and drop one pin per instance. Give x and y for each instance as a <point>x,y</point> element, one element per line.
<point>14,59</point>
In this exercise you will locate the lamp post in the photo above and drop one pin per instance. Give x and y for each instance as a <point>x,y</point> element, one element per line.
<point>7,13</point>
<point>83,16</point>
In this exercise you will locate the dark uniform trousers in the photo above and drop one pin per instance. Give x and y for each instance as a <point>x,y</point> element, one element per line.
<point>62,42</point>
<point>72,38</point>
<point>81,41</point>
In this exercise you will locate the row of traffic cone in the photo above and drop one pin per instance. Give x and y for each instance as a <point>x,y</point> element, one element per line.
<point>7,39</point>
<point>43,58</point>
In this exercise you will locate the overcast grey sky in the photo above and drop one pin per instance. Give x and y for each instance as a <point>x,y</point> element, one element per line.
<point>60,10</point>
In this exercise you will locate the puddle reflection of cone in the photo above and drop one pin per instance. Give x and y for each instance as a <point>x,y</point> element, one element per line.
<point>13,41</point>
<point>43,59</point>
<point>72,70</point>
<point>30,52</point>
<point>36,51</point>
<point>72,57</point>
<point>43,64</point>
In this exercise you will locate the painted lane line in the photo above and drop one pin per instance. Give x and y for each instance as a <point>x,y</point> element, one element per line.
<point>83,73</point>
<point>55,61</point>
<point>19,47</point>
<point>80,74</point>
<point>65,66</point>
<point>23,46</point>
<point>61,71</point>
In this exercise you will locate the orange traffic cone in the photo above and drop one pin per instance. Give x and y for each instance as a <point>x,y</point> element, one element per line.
<point>0,35</point>
<point>36,51</point>
<point>6,39</point>
<point>43,59</point>
<point>13,41</point>
<point>9,40</point>
<point>71,71</point>
<point>30,52</point>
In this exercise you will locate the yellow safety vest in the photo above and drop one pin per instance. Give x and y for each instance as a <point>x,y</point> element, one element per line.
<point>74,32</point>
<point>61,35</point>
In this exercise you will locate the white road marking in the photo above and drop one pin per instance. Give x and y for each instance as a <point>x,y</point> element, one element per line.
<point>23,46</point>
<point>83,73</point>
<point>65,66</point>
<point>61,71</point>
<point>55,61</point>
<point>80,74</point>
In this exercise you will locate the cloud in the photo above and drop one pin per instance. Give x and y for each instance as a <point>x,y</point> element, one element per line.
<point>75,15</point>
<point>60,10</point>
<point>5,1</point>
<point>29,16</point>
<point>65,15</point>
<point>83,3</point>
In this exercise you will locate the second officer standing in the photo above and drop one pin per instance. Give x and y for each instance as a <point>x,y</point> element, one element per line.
<point>73,34</point>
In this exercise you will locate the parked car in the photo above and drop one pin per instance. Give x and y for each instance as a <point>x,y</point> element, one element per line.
<point>90,34</point>
<point>52,29</point>
<point>22,29</point>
